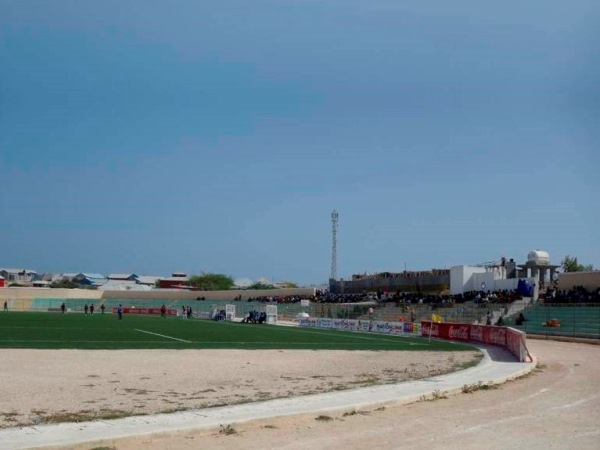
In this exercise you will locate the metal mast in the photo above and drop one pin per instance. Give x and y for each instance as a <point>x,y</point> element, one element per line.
<point>334,226</point>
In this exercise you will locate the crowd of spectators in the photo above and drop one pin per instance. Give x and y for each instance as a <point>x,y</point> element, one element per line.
<point>439,300</point>
<point>576,295</point>
<point>403,274</point>
<point>400,298</point>
<point>319,297</point>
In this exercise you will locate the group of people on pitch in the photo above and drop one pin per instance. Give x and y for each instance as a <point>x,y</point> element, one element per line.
<point>255,317</point>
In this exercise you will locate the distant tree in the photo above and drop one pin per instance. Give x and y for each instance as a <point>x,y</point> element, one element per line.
<point>260,286</point>
<point>288,284</point>
<point>570,264</point>
<point>212,282</point>
<point>64,284</point>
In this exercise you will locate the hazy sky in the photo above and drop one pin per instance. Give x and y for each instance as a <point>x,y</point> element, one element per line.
<point>157,136</point>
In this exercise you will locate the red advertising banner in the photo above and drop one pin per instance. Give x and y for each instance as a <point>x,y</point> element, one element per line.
<point>509,338</point>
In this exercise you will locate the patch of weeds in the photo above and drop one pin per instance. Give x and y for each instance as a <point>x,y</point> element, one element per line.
<point>66,417</point>
<point>438,395</point>
<point>9,416</point>
<point>465,364</point>
<point>93,376</point>
<point>104,448</point>
<point>174,410</point>
<point>350,413</point>
<point>137,391</point>
<point>435,395</point>
<point>479,386</point>
<point>270,427</point>
<point>263,395</point>
<point>323,418</point>
<point>227,430</point>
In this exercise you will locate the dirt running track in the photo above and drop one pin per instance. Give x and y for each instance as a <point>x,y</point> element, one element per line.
<point>557,407</point>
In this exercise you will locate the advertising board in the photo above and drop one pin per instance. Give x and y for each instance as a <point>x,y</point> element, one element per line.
<point>509,338</point>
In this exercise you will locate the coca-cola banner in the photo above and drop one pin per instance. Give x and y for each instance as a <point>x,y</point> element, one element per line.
<point>509,338</point>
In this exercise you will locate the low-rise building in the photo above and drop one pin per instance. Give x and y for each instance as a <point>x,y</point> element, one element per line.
<point>149,280</point>
<point>19,276</point>
<point>177,280</point>
<point>90,279</point>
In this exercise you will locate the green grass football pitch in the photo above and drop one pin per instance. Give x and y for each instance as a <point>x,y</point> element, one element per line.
<point>78,331</point>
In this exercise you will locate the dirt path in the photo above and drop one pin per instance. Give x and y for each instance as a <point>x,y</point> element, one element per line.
<point>48,386</point>
<point>556,407</point>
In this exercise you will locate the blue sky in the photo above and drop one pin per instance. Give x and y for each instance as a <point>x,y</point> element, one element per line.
<point>155,136</point>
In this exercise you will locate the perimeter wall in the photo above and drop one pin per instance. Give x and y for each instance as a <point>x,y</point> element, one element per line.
<point>157,294</point>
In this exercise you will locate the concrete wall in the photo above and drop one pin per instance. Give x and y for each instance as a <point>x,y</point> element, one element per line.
<point>461,279</point>
<point>589,280</point>
<point>210,295</point>
<point>467,278</point>
<point>31,293</point>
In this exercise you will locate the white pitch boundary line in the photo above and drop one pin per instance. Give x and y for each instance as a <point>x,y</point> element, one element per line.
<point>162,335</point>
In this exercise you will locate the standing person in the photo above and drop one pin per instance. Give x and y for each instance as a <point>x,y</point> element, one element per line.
<point>189,312</point>
<point>183,312</point>
<point>85,308</point>
<point>5,305</point>
<point>163,311</point>
<point>63,307</point>
<point>92,309</point>
<point>102,308</point>
<point>120,311</point>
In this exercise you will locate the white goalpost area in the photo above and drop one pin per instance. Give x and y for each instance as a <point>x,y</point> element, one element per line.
<point>230,312</point>
<point>271,311</point>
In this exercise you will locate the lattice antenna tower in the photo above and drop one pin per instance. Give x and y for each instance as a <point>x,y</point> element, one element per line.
<point>335,217</point>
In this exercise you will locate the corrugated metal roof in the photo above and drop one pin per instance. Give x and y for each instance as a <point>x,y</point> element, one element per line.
<point>70,275</point>
<point>92,275</point>
<point>121,276</point>
<point>17,271</point>
<point>147,279</point>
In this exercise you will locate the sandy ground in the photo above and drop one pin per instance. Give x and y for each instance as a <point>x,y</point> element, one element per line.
<point>556,407</point>
<point>47,386</point>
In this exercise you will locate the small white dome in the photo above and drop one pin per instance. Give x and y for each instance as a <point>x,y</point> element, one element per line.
<point>539,257</point>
